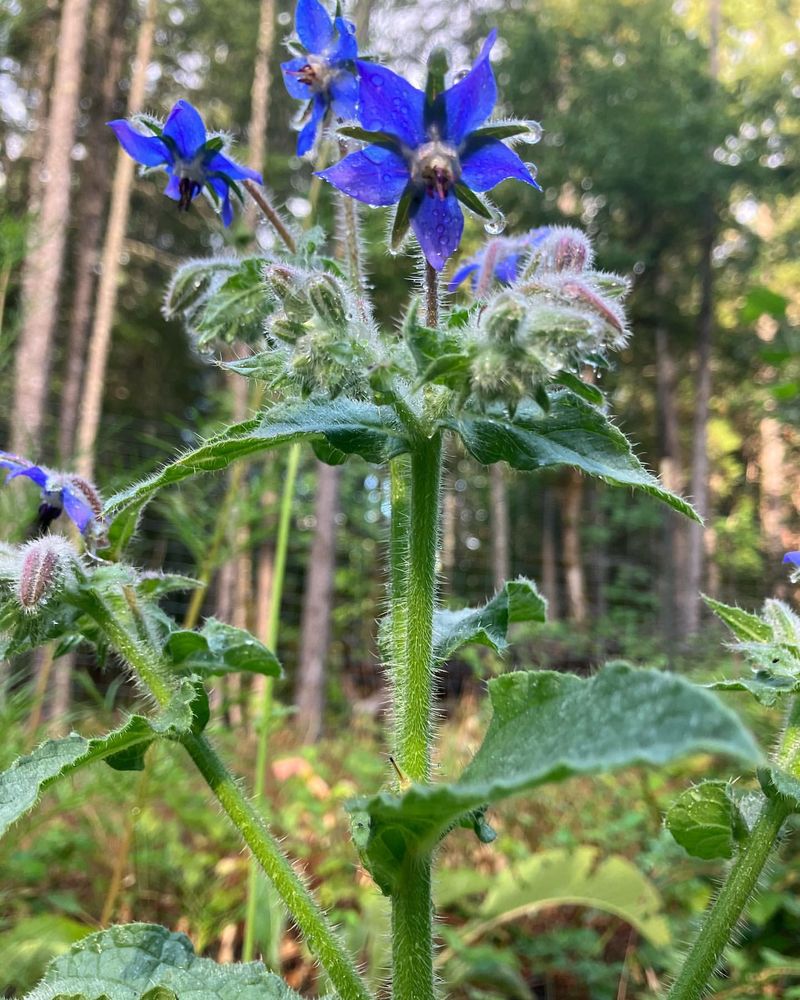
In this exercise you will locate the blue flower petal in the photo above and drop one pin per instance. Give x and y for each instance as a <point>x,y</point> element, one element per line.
<point>173,188</point>
<point>507,268</point>
<point>308,135</point>
<point>78,510</point>
<point>220,164</point>
<point>300,91</point>
<point>146,149</point>
<point>388,103</point>
<point>376,175</point>
<point>224,192</point>
<point>186,129</point>
<point>22,467</point>
<point>488,162</point>
<point>344,95</point>
<point>346,47</point>
<point>793,558</point>
<point>438,224</point>
<point>313,25</point>
<point>470,102</point>
<point>461,275</point>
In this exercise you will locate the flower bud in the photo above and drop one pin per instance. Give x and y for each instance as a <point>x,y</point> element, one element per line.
<point>328,301</point>
<point>45,565</point>
<point>503,316</point>
<point>288,330</point>
<point>286,283</point>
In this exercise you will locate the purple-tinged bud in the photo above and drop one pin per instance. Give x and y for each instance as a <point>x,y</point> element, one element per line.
<point>585,295</point>
<point>571,251</point>
<point>503,316</point>
<point>45,565</point>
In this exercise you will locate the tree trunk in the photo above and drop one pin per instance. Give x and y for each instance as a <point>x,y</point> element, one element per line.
<point>772,500</point>
<point>36,80</point>
<point>259,92</point>
<point>315,620</point>
<point>109,265</point>
<point>107,51</point>
<point>44,262</point>
<point>549,579</point>
<point>574,577</point>
<point>498,521</point>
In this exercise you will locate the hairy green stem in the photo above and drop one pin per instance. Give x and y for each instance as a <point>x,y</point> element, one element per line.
<point>264,715</point>
<point>412,940</point>
<point>397,638</point>
<point>305,910</point>
<point>726,911</point>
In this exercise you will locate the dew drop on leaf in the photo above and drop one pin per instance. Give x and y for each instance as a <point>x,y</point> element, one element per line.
<point>533,135</point>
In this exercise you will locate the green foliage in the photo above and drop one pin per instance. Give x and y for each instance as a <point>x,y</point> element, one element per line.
<point>547,727</point>
<point>123,749</point>
<point>219,649</point>
<point>138,961</point>
<point>518,601</point>
<point>706,820</point>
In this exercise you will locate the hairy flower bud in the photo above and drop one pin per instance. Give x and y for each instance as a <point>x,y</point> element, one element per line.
<point>45,565</point>
<point>288,330</point>
<point>503,316</point>
<point>564,249</point>
<point>288,286</point>
<point>328,301</point>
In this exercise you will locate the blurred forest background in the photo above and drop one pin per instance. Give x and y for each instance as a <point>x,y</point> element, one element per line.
<point>672,135</point>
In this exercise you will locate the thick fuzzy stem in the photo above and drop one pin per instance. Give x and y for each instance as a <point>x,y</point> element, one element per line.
<point>412,937</point>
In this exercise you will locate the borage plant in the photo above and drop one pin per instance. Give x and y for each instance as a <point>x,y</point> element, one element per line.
<point>502,374</point>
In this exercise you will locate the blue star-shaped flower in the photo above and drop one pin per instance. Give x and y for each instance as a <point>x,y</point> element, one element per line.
<point>428,152</point>
<point>192,159</point>
<point>503,255</point>
<point>325,76</point>
<point>60,491</point>
<point>792,558</point>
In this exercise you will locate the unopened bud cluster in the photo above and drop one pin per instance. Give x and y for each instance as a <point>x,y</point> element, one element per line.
<point>330,342</point>
<point>557,315</point>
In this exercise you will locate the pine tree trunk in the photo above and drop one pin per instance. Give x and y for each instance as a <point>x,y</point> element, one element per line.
<point>549,578</point>
<point>316,614</point>
<point>259,92</point>
<point>501,557</point>
<point>574,576</point>
<point>100,341</point>
<point>107,51</point>
<point>772,500</point>
<point>44,262</point>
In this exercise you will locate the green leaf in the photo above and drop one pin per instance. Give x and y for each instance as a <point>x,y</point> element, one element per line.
<point>745,626</point>
<point>765,687</point>
<point>572,433</point>
<point>777,783</point>
<point>518,601</point>
<point>158,584</point>
<point>123,748</point>
<point>219,649</point>
<point>447,369</point>
<point>267,366</point>
<point>583,389</point>
<point>576,877</point>
<point>192,283</point>
<point>705,820</point>
<point>238,308</point>
<point>132,961</point>
<point>356,428</point>
<point>548,727</point>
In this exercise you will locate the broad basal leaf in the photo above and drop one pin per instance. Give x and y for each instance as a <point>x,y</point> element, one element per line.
<point>347,425</point>
<point>706,821</point>
<point>579,877</point>
<point>572,432</point>
<point>548,727</point>
<point>518,601</point>
<point>124,748</point>
<point>218,649</point>
<point>133,961</point>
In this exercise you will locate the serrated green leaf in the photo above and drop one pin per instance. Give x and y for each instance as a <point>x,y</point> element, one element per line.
<point>132,960</point>
<point>21,784</point>
<point>518,601</point>
<point>578,877</point>
<point>547,727</point>
<point>572,433</point>
<point>217,649</point>
<point>238,308</point>
<point>356,428</point>
<point>745,626</point>
<point>705,820</point>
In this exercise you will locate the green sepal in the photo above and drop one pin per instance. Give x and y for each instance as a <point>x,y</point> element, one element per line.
<point>448,369</point>
<point>402,219</point>
<point>475,204</point>
<point>507,130</point>
<point>437,70</point>
<point>583,389</point>
<point>365,135</point>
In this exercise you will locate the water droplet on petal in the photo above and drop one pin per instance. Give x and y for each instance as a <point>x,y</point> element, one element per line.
<point>460,75</point>
<point>532,169</point>
<point>533,135</point>
<point>495,225</point>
